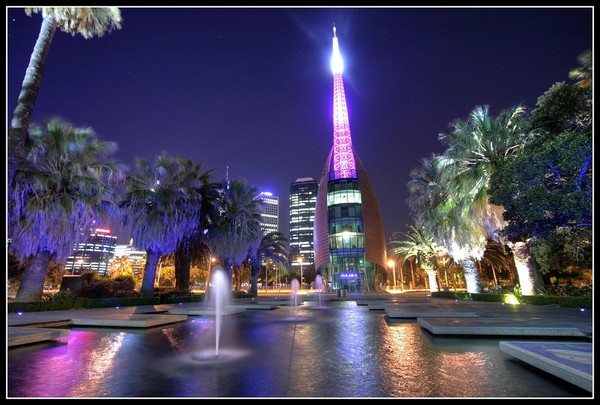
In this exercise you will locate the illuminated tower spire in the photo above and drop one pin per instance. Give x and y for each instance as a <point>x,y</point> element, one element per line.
<point>344,165</point>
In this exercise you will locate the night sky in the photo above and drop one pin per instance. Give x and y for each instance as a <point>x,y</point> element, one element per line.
<point>251,88</point>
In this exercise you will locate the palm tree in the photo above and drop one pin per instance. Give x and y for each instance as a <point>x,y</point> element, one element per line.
<point>273,246</point>
<point>476,147</point>
<point>432,206</point>
<point>72,20</point>
<point>238,227</point>
<point>497,258</point>
<point>161,206</point>
<point>63,185</point>
<point>209,198</point>
<point>418,245</point>
<point>583,73</point>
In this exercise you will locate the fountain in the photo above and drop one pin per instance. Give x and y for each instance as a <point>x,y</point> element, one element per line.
<point>221,292</point>
<point>218,299</point>
<point>295,288</point>
<point>319,286</point>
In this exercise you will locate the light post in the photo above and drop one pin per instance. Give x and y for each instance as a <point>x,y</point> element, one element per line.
<point>211,260</point>
<point>401,278</point>
<point>300,261</point>
<point>266,276</point>
<point>159,271</point>
<point>392,264</point>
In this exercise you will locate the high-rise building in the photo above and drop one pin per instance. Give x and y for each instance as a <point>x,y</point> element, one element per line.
<point>269,216</point>
<point>303,196</point>
<point>137,258</point>
<point>350,248</point>
<point>93,254</point>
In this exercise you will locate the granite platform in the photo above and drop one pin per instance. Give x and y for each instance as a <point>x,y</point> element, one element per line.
<point>17,336</point>
<point>128,320</point>
<point>570,361</point>
<point>500,327</point>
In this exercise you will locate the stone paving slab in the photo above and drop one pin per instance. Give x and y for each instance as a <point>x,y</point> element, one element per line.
<point>499,327</point>
<point>379,305</point>
<point>428,312</point>
<point>21,336</point>
<point>128,320</point>
<point>261,306</point>
<point>207,311</point>
<point>571,362</point>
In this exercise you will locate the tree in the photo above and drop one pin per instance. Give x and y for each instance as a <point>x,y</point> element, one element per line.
<point>64,184</point>
<point>442,213</point>
<point>88,22</point>
<point>547,189</point>
<point>238,226</point>
<point>161,206</point>
<point>498,259</point>
<point>562,108</point>
<point>273,246</point>
<point>208,199</point>
<point>583,73</point>
<point>418,245</point>
<point>477,147</point>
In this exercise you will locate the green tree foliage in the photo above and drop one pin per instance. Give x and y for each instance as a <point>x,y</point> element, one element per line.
<point>65,183</point>
<point>547,189</point>
<point>562,108</point>
<point>238,225</point>
<point>583,73</point>
<point>273,246</point>
<point>162,206</point>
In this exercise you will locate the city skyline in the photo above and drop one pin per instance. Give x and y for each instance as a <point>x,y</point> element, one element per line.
<point>250,88</point>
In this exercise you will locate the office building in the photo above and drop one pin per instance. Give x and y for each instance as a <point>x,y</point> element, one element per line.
<point>303,196</point>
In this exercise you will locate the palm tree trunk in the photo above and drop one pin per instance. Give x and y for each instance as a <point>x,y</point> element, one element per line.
<point>19,125</point>
<point>527,269</point>
<point>227,266</point>
<point>183,259</point>
<point>34,276</point>
<point>472,275</point>
<point>495,278</point>
<point>147,289</point>
<point>254,270</point>
<point>412,274</point>
<point>433,281</point>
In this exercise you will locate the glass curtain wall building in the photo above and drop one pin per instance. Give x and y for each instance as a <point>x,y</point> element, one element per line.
<point>93,254</point>
<point>303,196</point>
<point>269,216</point>
<point>350,248</point>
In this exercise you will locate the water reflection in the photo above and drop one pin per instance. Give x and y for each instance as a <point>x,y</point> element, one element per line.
<point>339,351</point>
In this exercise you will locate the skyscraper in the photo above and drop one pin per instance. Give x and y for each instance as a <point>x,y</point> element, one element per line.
<point>269,216</point>
<point>93,254</point>
<point>350,248</point>
<point>303,196</point>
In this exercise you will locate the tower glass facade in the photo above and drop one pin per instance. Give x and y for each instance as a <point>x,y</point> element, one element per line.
<point>93,254</point>
<point>269,216</point>
<point>303,196</point>
<point>350,249</point>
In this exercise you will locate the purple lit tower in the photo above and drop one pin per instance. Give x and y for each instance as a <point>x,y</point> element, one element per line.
<point>350,248</point>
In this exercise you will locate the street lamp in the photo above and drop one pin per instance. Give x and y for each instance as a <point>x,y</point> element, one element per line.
<point>211,260</point>
<point>392,264</point>
<point>300,261</point>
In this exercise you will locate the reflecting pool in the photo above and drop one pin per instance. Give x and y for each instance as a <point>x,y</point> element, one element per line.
<point>337,350</point>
